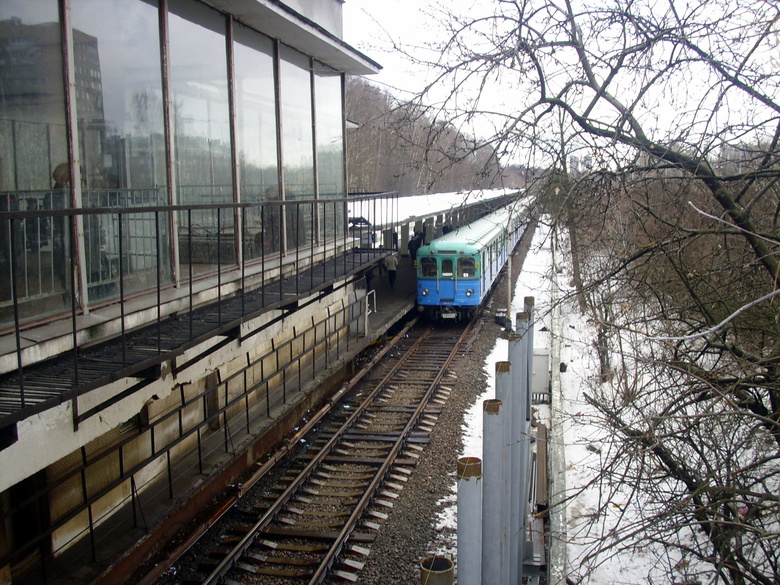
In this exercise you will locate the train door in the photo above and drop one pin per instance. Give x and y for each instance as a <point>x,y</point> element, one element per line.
<point>491,262</point>
<point>447,280</point>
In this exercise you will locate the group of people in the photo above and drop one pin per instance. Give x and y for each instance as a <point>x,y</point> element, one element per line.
<point>390,264</point>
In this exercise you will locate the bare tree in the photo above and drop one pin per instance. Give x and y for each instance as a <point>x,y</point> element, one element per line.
<point>397,146</point>
<point>675,108</point>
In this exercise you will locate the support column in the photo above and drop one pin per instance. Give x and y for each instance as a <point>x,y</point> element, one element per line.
<point>528,307</point>
<point>496,551</point>
<point>387,238</point>
<point>521,442</point>
<point>429,230</point>
<point>403,244</point>
<point>469,559</point>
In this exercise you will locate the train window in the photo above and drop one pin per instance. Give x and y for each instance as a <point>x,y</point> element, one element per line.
<point>428,267</point>
<point>467,267</point>
<point>446,267</point>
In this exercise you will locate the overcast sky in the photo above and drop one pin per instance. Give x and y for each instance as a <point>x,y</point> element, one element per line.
<point>380,28</point>
<point>372,26</point>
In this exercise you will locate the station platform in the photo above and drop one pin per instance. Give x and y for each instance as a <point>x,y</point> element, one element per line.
<point>387,305</point>
<point>140,354</point>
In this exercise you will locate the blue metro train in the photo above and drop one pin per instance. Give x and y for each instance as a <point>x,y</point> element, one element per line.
<point>456,271</point>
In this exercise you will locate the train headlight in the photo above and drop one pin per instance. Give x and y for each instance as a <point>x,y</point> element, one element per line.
<point>425,292</point>
<point>469,292</point>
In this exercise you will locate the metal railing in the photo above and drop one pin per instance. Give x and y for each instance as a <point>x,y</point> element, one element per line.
<point>64,263</point>
<point>126,242</point>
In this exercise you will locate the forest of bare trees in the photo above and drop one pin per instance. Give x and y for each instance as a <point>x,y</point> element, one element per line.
<point>397,146</point>
<point>674,228</point>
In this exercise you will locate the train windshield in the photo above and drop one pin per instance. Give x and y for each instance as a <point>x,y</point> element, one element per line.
<point>467,267</point>
<point>446,267</point>
<point>428,267</point>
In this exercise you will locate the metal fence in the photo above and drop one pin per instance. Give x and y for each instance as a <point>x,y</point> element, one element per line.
<point>169,444</point>
<point>56,260</point>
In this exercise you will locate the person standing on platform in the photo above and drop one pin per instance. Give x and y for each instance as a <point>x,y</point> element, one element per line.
<point>414,245</point>
<point>391,263</point>
<point>368,275</point>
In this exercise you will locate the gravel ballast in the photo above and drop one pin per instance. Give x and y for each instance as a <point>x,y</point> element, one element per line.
<point>410,533</point>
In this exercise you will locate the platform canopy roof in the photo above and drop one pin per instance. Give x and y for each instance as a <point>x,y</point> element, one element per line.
<point>278,20</point>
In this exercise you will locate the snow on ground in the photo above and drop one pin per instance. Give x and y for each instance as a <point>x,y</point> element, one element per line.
<point>418,205</point>
<point>584,445</point>
<point>591,514</point>
<point>582,440</point>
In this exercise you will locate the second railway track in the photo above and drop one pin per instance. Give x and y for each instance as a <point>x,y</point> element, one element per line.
<point>314,523</point>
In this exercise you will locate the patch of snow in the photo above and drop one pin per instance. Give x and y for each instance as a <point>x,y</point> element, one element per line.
<point>584,441</point>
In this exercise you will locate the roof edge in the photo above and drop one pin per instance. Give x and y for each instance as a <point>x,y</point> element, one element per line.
<point>279,21</point>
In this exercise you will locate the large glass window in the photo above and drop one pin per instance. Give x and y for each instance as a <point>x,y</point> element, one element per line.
<point>330,135</point>
<point>33,145</point>
<point>256,137</point>
<point>467,267</point>
<point>120,147</point>
<point>297,143</point>
<point>330,146</point>
<point>121,141</point>
<point>202,155</point>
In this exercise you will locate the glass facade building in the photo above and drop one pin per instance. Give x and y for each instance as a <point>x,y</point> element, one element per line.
<point>144,104</point>
<point>162,164</point>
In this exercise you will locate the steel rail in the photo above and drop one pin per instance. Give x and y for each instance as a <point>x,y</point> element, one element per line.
<point>326,565</point>
<point>335,549</point>
<point>281,452</point>
<point>235,553</point>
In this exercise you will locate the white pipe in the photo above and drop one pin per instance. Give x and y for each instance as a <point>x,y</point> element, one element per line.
<point>495,545</point>
<point>509,285</point>
<point>529,308</point>
<point>558,559</point>
<point>528,329</point>
<point>505,393</point>
<point>518,355</point>
<point>469,559</point>
<point>526,430</point>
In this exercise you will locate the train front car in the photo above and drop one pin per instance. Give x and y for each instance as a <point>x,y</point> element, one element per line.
<point>455,271</point>
<point>448,279</point>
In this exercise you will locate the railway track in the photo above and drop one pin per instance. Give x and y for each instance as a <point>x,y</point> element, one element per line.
<point>315,522</point>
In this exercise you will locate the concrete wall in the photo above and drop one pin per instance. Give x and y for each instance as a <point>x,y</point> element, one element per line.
<point>263,371</point>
